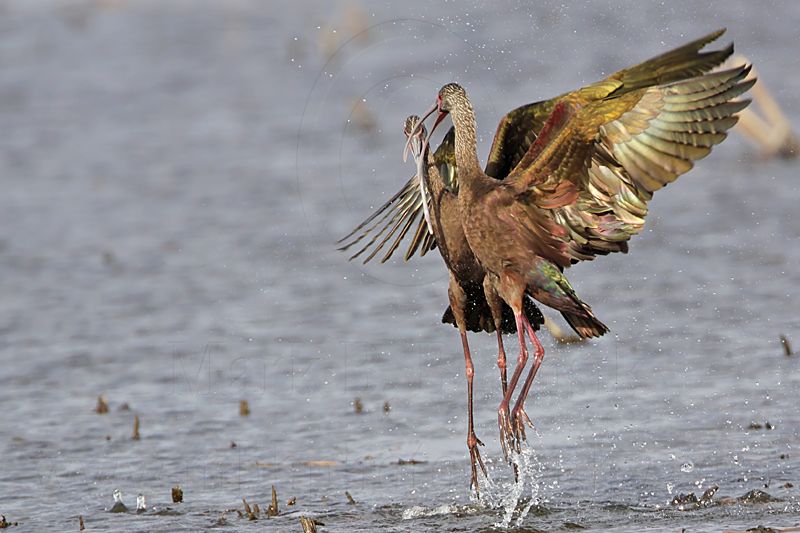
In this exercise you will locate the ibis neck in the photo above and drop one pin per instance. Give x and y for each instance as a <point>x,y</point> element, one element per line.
<point>466,141</point>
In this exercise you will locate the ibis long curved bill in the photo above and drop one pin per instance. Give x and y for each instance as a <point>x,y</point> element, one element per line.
<point>419,126</point>
<point>416,142</point>
<point>419,157</point>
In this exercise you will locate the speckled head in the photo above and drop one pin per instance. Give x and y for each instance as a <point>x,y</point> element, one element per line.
<point>450,96</point>
<point>416,134</point>
<point>411,124</point>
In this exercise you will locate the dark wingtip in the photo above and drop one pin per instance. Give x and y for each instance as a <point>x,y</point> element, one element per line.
<point>728,50</point>
<point>711,37</point>
<point>585,326</point>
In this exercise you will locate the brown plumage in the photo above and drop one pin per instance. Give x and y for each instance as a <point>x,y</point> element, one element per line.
<point>581,188</point>
<point>391,223</point>
<point>471,306</point>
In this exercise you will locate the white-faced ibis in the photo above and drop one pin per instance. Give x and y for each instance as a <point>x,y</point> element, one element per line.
<point>471,307</point>
<point>581,189</point>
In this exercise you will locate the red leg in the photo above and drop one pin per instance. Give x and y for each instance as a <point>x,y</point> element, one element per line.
<point>503,420</point>
<point>501,361</point>
<point>458,302</point>
<point>518,414</point>
<point>472,440</point>
<point>496,308</point>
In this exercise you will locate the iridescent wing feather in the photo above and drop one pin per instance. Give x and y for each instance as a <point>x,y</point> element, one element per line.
<point>567,188</point>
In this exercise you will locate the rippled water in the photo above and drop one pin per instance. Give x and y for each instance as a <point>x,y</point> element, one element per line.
<point>174,175</point>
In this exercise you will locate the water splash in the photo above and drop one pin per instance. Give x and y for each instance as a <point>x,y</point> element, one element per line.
<point>119,506</point>
<point>141,504</point>
<point>447,509</point>
<point>516,498</point>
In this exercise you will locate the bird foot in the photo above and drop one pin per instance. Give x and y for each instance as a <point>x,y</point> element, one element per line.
<point>506,429</point>
<point>475,460</point>
<point>519,418</point>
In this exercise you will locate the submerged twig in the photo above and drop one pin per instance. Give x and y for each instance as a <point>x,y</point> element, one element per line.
<point>309,524</point>
<point>690,501</point>
<point>705,499</point>
<point>248,511</point>
<point>136,435</point>
<point>350,499</point>
<point>787,347</point>
<point>273,507</point>
<point>4,524</point>
<point>102,405</point>
<point>757,496</point>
